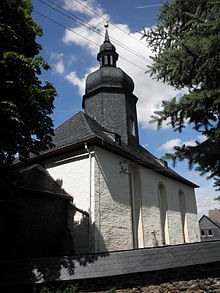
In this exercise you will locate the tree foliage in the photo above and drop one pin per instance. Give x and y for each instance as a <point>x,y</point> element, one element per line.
<point>25,103</point>
<point>186,46</point>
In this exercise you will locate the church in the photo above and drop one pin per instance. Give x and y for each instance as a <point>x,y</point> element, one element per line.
<point>128,198</point>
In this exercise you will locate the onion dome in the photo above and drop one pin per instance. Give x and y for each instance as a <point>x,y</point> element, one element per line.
<point>108,77</point>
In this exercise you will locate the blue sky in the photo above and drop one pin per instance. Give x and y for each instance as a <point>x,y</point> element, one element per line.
<point>70,44</point>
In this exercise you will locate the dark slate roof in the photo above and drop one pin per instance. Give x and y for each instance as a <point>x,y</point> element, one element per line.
<point>36,178</point>
<point>108,264</point>
<point>72,131</point>
<point>213,221</point>
<point>81,128</point>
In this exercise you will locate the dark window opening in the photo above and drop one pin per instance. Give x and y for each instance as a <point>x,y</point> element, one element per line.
<point>117,138</point>
<point>131,126</point>
<point>202,232</point>
<point>210,233</point>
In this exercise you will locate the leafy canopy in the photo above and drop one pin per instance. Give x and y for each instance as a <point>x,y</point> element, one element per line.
<point>25,103</point>
<point>186,46</point>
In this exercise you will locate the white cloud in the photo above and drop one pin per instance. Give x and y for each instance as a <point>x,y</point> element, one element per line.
<point>71,60</point>
<point>73,35</point>
<point>76,81</point>
<point>201,138</point>
<point>204,204</point>
<point>59,67</point>
<point>189,142</point>
<point>170,144</point>
<point>57,60</point>
<point>205,194</point>
<point>75,6</point>
<point>56,55</point>
<point>205,198</point>
<point>80,83</point>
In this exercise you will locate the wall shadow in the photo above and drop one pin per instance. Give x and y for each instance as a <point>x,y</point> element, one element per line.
<point>76,248</point>
<point>47,267</point>
<point>124,171</point>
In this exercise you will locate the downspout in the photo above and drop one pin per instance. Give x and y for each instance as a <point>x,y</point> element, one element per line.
<point>90,191</point>
<point>134,228</point>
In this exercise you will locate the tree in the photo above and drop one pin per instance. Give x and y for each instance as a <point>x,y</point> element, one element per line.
<point>218,198</point>
<point>186,46</point>
<point>25,103</point>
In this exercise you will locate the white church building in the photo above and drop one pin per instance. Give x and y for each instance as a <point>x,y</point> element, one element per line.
<point>131,198</point>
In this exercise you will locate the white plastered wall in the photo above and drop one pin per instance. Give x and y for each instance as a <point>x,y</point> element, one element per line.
<point>151,213</point>
<point>112,202</point>
<point>75,176</point>
<point>76,172</point>
<point>100,184</point>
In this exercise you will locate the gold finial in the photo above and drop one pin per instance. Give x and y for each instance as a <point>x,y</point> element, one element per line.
<point>106,24</point>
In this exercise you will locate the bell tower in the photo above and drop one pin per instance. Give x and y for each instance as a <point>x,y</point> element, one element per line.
<point>109,97</point>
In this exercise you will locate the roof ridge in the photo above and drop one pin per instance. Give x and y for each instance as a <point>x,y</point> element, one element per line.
<point>42,169</point>
<point>86,122</point>
<point>214,221</point>
<point>101,127</point>
<point>29,168</point>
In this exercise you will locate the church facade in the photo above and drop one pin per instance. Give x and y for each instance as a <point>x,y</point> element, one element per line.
<point>132,199</point>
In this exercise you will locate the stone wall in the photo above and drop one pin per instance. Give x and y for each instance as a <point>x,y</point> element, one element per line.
<point>194,279</point>
<point>181,268</point>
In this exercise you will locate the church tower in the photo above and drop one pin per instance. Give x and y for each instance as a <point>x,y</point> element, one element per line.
<point>109,97</point>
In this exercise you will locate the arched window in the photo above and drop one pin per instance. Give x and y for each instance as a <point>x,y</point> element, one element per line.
<point>163,214</point>
<point>182,209</point>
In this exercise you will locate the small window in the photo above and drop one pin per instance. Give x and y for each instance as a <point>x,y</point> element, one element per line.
<point>111,60</point>
<point>202,232</point>
<point>131,126</point>
<point>210,233</point>
<point>105,60</point>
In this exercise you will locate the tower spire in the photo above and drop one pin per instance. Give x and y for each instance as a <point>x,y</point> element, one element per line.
<point>107,55</point>
<point>106,32</point>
